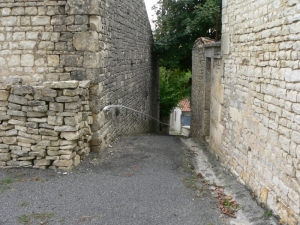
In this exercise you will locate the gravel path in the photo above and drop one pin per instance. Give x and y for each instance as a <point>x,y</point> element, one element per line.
<point>139,180</point>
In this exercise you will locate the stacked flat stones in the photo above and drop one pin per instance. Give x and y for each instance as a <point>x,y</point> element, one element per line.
<point>45,126</point>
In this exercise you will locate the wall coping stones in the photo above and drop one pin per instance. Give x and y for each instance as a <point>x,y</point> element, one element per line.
<point>216,44</point>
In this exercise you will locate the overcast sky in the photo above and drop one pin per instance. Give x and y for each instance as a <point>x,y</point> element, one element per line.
<point>149,4</point>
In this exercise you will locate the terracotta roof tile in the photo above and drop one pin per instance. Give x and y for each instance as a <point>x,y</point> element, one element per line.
<point>185,105</point>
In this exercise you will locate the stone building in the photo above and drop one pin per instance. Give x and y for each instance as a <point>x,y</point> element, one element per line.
<point>248,99</point>
<point>105,41</point>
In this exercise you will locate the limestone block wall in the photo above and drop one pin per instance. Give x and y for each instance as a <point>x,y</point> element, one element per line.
<point>45,126</point>
<point>261,105</point>
<point>35,40</point>
<point>129,75</point>
<point>216,128</point>
<point>105,41</point>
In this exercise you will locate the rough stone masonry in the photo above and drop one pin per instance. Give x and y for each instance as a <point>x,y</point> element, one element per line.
<point>255,100</point>
<point>45,126</point>
<point>105,41</point>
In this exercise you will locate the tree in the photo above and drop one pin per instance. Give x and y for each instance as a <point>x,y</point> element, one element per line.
<point>174,86</point>
<point>179,23</point>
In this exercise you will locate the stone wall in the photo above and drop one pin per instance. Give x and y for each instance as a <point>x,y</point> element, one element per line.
<point>205,59</point>
<point>45,126</point>
<point>105,41</point>
<point>255,101</point>
<point>261,139</point>
<point>197,100</point>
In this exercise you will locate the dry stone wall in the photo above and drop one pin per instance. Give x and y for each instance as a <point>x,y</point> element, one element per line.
<point>45,126</point>
<point>260,116</point>
<point>105,41</point>
<point>198,88</point>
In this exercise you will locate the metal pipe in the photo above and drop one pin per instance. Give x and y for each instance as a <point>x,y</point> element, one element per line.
<point>106,108</point>
<point>217,25</point>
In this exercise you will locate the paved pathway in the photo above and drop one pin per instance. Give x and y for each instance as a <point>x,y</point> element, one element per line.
<point>139,180</point>
<point>249,213</point>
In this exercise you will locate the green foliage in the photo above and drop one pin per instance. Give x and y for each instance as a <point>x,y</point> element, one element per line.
<point>179,23</point>
<point>267,214</point>
<point>5,184</point>
<point>24,219</point>
<point>6,181</point>
<point>174,86</point>
<point>43,218</point>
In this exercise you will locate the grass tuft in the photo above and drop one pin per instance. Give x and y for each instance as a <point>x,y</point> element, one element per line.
<point>267,214</point>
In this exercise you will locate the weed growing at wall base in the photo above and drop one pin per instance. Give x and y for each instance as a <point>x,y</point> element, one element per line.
<point>5,184</point>
<point>267,214</point>
<point>6,181</point>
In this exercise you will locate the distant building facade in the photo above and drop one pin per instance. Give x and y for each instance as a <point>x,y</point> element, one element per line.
<point>180,117</point>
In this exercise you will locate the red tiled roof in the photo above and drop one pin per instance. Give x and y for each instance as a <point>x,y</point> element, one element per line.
<point>205,40</point>
<point>185,105</point>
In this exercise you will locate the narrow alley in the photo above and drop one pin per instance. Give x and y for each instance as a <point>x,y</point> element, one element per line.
<point>145,179</point>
